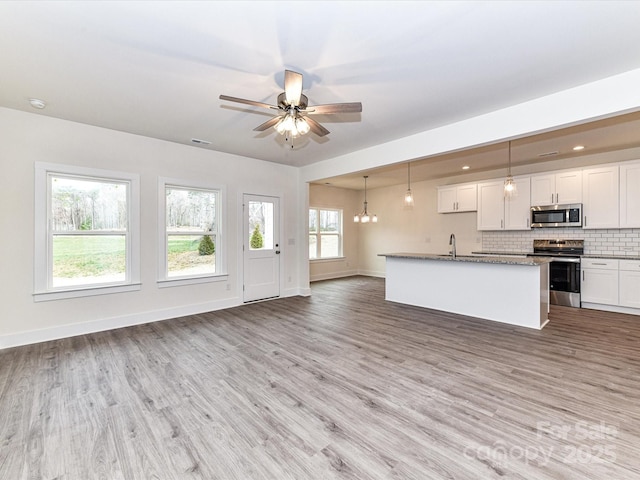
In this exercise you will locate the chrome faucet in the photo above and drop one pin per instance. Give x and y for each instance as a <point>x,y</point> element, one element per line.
<point>452,242</point>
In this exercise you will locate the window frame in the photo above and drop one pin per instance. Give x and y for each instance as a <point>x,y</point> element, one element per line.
<point>221,264</point>
<point>318,234</point>
<point>43,242</point>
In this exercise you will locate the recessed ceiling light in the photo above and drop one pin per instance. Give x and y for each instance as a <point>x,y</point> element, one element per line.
<point>578,147</point>
<point>37,103</point>
<point>466,167</point>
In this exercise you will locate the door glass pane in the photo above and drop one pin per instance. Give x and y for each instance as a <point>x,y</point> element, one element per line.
<point>261,225</point>
<point>330,246</point>
<point>190,255</point>
<point>88,259</point>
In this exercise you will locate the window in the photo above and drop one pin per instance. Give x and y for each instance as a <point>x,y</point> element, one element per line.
<point>325,233</point>
<point>191,242</point>
<point>86,232</point>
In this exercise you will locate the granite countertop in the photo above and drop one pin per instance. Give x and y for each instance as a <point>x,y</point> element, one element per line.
<point>612,257</point>
<point>483,252</point>
<point>604,256</point>
<point>505,260</point>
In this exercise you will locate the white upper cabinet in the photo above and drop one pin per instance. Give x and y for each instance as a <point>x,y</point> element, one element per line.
<point>491,205</point>
<point>457,198</point>
<point>601,197</point>
<point>630,195</point>
<point>517,208</point>
<point>552,188</point>
<point>495,212</point>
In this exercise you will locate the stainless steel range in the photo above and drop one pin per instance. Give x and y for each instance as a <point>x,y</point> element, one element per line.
<point>564,269</point>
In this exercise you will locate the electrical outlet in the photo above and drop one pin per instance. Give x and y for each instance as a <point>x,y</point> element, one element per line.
<point>289,278</point>
<point>427,239</point>
<point>228,286</point>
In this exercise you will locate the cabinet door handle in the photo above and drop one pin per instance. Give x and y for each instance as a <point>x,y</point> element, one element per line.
<point>583,275</point>
<point>585,220</point>
<point>501,223</point>
<point>552,198</point>
<point>454,206</point>
<point>527,223</point>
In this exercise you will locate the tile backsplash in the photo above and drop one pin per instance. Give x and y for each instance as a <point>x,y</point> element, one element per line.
<point>623,242</point>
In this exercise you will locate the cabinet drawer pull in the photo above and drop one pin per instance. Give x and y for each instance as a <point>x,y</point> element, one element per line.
<point>596,263</point>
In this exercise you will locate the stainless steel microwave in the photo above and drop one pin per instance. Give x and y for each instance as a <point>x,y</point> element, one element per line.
<point>556,216</point>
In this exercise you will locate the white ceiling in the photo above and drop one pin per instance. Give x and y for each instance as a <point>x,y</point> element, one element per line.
<point>157,68</point>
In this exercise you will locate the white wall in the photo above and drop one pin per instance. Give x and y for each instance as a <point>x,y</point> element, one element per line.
<point>419,230</point>
<point>27,138</point>
<point>349,201</point>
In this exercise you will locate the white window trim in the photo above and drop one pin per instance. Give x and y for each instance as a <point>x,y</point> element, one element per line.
<point>42,255</point>
<point>221,274</point>
<point>340,234</point>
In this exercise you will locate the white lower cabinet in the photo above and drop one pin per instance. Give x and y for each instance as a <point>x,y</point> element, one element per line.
<point>629,277</point>
<point>599,281</point>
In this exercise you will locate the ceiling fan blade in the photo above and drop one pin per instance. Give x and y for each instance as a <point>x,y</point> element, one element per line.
<point>268,124</point>
<point>353,107</point>
<point>247,102</point>
<point>293,87</point>
<point>316,128</point>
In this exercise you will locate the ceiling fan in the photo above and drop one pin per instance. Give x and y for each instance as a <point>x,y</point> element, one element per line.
<point>294,111</point>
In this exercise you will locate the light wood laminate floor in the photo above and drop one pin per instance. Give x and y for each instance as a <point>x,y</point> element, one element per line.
<point>341,385</point>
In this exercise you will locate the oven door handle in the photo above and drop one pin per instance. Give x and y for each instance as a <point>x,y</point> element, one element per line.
<point>564,259</point>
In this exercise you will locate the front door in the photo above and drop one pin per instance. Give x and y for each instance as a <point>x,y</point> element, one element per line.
<point>261,247</point>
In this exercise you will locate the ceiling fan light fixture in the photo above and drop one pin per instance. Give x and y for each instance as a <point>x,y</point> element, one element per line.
<point>289,124</point>
<point>293,106</point>
<point>302,125</point>
<point>280,127</point>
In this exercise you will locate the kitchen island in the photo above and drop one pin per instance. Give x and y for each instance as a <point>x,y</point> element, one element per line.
<point>513,290</point>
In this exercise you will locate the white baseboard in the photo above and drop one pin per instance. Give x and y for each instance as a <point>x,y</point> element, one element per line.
<point>329,276</point>
<point>297,292</point>
<point>611,308</point>
<point>72,330</point>
<point>371,273</point>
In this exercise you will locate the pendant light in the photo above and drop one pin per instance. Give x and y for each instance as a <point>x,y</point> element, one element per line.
<point>408,196</point>
<point>363,217</point>
<point>509,183</point>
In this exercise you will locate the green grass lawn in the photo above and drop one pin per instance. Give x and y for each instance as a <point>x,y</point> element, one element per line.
<point>87,256</point>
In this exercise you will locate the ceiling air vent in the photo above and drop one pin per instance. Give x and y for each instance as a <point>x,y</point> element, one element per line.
<point>548,154</point>
<point>200,142</point>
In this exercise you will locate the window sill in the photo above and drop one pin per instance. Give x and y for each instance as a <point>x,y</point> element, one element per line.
<point>327,260</point>
<point>84,292</point>
<point>178,282</point>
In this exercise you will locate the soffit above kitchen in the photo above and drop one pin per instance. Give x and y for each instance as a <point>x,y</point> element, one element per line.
<point>157,68</point>
<point>528,155</point>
